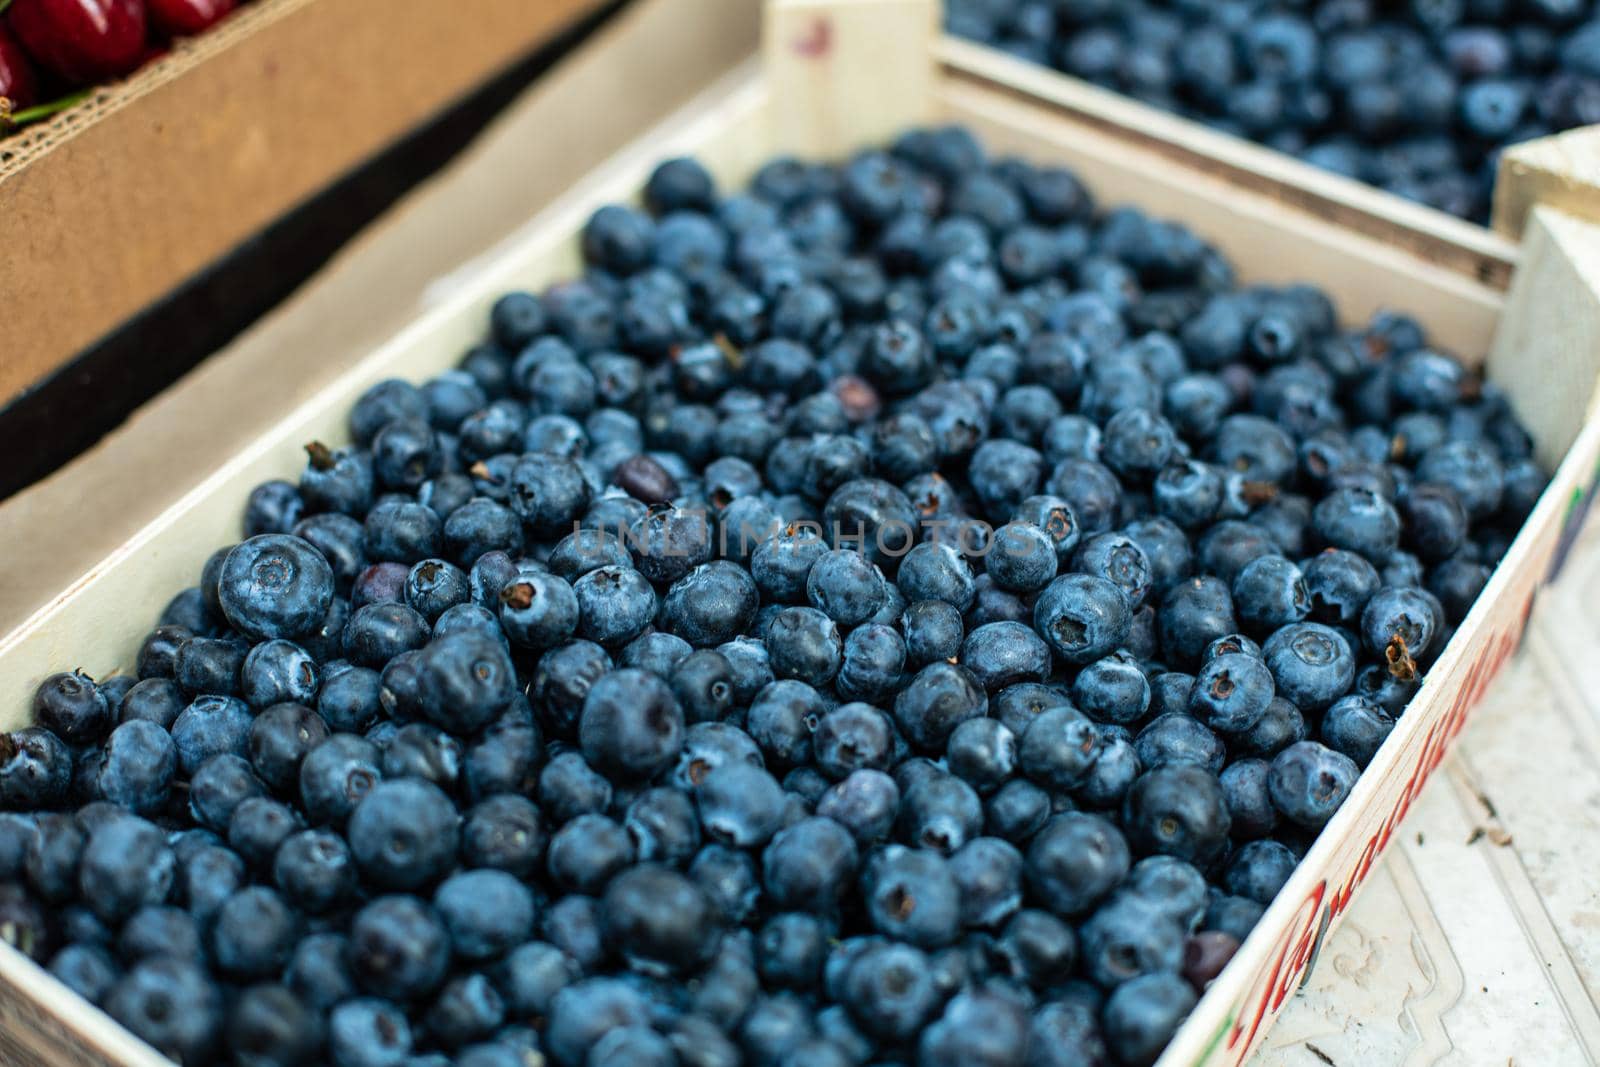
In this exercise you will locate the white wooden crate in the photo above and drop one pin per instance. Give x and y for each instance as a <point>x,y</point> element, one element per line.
<point>838,74</point>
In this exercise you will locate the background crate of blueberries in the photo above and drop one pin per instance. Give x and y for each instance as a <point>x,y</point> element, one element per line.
<point>1414,96</point>
<point>829,590</point>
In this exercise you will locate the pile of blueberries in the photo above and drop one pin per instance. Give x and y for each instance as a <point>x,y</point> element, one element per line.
<point>1415,96</point>
<point>899,614</point>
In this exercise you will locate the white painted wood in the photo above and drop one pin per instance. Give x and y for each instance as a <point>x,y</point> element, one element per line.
<point>846,74</point>
<point>1560,171</point>
<point>1547,348</point>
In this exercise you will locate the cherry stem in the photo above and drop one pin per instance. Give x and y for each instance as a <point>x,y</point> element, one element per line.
<point>42,111</point>
<point>3,5</point>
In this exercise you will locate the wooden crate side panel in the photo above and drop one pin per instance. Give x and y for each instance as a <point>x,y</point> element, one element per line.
<point>1266,241</point>
<point>45,1024</point>
<point>97,624</point>
<point>1560,171</point>
<point>1240,1007</point>
<point>847,74</point>
<point>1426,233</point>
<point>1546,352</point>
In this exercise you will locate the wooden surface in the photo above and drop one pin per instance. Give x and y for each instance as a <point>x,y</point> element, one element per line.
<point>1559,171</point>
<point>112,203</point>
<point>846,74</point>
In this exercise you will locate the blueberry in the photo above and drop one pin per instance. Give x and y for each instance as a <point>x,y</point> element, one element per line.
<point>314,869</point>
<point>982,752</point>
<point>587,851</point>
<point>209,665</point>
<point>1195,612</point>
<point>711,604</point>
<point>977,1027</point>
<point>37,770</point>
<point>539,610</point>
<point>938,699</point>
<point>940,811</point>
<point>1244,788</point>
<point>268,1025</point>
<point>211,726</point>
<point>808,865</point>
<point>1059,748</point>
<point>568,787</point>
<point>1308,782</point>
<point>259,827</point>
<point>573,925</point>
<point>1177,810</point>
<point>1128,936</point>
<point>1141,1016</point>
<point>584,1012</point>
<point>505,756</point>
<point>369,1032</point>
<point>1400,622</point>
<point>86,970</point>
<point>273,586</point>
<point>404,834</point>
<point>1258,870</point>
<point>1358,520</point>
<point>72,708</point>
<point>143,1000</point>
<point>668,543</point>
<point>399,948</point>
<point>632,724</point>
<point>317,972</point>
<point>1082,617</point>
<point>350,698</point>
<point>874,656</point>
<point>1231,692</point>
<point>254,933</point>
<point>125,865</point>
<point>1311,663</point>
<point>1112,689</point>
<point>1075,861</point>
<point>139,765</point>
<point>804,644</point>
<point>486,912</point>
<point>377,633</point>
<point>663,825</point>
<point>336,776</point>
<point>280,738</point>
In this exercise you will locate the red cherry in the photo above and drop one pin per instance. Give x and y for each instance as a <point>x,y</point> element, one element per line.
<point>16,73</point>
<point>83,41</point>
<point>185,18</point>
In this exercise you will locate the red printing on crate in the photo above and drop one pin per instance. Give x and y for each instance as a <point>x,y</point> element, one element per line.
<point>1298,949</point>
<point>818,40</point>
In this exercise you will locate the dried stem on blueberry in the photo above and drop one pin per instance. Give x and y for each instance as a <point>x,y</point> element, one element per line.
<point>321,456</point>
<point>1401,666</point>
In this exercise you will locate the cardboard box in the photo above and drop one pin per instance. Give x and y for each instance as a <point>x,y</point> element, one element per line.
<point>743,114</point>
<point>112,203</point>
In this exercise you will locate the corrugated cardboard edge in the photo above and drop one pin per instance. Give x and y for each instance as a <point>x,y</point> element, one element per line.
<point>114,202</point>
